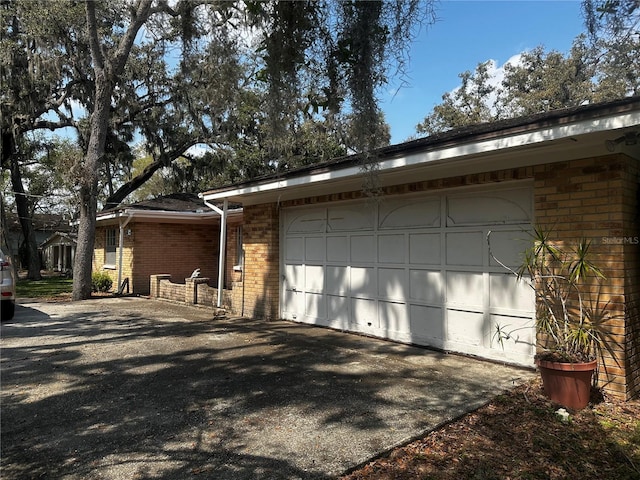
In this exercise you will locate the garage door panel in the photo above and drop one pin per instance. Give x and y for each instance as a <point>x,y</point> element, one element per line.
<point>314,249</point>
<point>426,286</point>
<point>465,248</point>
<point>487,208</point>
<point>363,249</point>
<point>392,283</point>
<point>363,282</point>
<point>393,317</point>
<point>427,322</point>
<point>315,306</point>
<point>521,333</point>
<point>293,277</point>
<point>391,249</point>
<point>314,278</point>
<point>294,302</point>
<point>338,312</point>
<point>365,313</point>
<point>294,249</point>
<point>508,246</point>
<point>506,292</point>
<point>338,249</point>
<point>306,221</point>
<point>354,217</point>
<point>407,213</point>
<point>465,288</point>
<point>337,280</point>
<point>465,327</point>
<point>424,248</point>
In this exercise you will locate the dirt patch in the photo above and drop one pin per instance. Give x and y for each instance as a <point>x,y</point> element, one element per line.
<point>519,435</point>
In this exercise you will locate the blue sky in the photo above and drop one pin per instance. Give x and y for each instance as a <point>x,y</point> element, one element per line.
<point>467,33</point>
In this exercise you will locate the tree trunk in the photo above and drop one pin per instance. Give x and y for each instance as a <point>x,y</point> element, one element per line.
<point>86,238</point>
<point>89,188</point>
<point>24,216</point>
<point>106,76</point>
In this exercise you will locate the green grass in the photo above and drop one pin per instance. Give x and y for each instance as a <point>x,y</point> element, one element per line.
<point>47,287</point>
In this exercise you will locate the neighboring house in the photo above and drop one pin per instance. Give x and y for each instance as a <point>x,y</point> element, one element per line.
<point>44,225</point>
<point>174,235</point>
<point>58,251</point>
<point>413,265</point>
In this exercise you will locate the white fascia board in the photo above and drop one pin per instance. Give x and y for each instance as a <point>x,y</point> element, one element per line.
<point>158,215</point>
<point>449,154</point>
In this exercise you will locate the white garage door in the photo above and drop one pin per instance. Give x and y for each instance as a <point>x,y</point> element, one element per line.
<point>414,269</point>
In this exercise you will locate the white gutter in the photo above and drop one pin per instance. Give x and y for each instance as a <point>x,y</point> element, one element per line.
<point>223,247</point>
<point>121,246</point>
<point>449,154</point>
<point>157,215</point>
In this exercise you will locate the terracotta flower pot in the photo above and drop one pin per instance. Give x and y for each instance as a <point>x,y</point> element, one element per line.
<point>568,384</point>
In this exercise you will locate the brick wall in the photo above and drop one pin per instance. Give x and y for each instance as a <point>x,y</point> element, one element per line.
<point>99,256</point>
<point>194,291</point>
<point>595,198</point>
<point>631,238</point>
<point>173,248</point>
<point>261,233</point>
<point>176,249</point>
<point>171,291</point>
<point>230,275</point>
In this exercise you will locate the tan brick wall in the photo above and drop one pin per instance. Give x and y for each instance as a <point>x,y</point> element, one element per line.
<point>596,199</point>
<point>174,292</point>
<point>231,276</point>
<point>631,216</point>
<point>99,256</point>
<point>261,233</point>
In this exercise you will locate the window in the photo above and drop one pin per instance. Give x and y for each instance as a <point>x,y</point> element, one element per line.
<point>110,248</point>
<point>239,249</point>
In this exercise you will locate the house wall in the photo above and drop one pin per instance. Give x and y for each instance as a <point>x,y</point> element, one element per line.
<point>99,255</point>
<point>631,243</point>
<point>261,240</point>
<point>597,199</point>
<point>594,198</point>
<point>175,249</point>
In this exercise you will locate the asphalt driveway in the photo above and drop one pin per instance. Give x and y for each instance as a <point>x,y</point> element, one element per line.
<point>133,388</point>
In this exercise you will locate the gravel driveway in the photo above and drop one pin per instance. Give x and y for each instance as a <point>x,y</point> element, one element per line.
<point>131,388</point>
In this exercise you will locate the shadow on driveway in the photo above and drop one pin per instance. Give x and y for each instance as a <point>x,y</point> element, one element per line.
<point>131,388</point>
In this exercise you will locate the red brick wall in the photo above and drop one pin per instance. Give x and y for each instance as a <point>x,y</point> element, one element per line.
<point>174,248</point>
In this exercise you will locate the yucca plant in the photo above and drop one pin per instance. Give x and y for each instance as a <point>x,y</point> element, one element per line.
<point>569,314</point>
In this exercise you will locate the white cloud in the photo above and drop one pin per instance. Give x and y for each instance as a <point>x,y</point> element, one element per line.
<point>496,76</point>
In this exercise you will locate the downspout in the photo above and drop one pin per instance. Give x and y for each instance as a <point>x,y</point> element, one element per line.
<point>223,248</point>
<point>121,247</point>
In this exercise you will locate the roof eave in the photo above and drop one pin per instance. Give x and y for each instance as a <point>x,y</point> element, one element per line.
<point>163,216</point>
<point>559,132</point>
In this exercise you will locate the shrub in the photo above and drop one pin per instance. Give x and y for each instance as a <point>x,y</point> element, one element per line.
<point>101,282</point>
